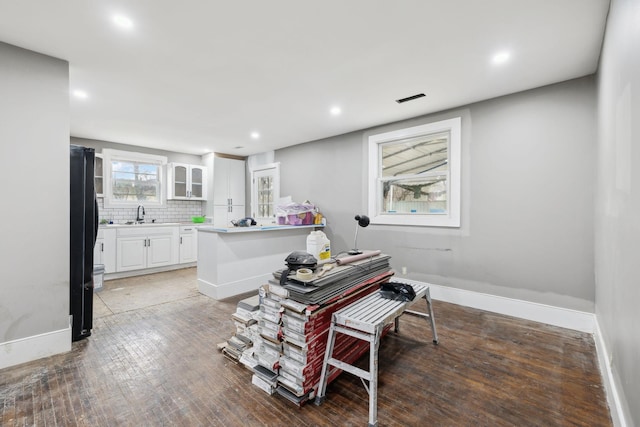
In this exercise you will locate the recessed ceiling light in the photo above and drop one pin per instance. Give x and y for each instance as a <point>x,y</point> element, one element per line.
<point>255,135</point>
<point>122,21</point>
<point>80,94</point>
<point>335,111</point>
<point>500,58</point>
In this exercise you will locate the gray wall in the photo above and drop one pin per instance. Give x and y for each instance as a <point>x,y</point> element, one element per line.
<point>527,198</point>
<point>617,226</point>
<point>171,155</point>
<point>34,165</point>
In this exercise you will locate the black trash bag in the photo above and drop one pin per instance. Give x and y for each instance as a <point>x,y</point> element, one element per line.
<point>397,291</point>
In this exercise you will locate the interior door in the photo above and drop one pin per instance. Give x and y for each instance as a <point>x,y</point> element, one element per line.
<point>265,191</point>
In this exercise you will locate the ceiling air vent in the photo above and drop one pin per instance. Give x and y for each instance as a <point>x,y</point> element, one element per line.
<point>410,98</point>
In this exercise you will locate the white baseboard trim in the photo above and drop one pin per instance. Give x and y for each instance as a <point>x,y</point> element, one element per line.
<point>557,316</point>
<point>34,347</point>
<point>226,290</point>
<point>617,406</point>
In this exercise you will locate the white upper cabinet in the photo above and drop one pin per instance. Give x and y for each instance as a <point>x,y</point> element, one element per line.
<point>187,182</point>
<point>228,181</point>
<point>228,191</point>
<point>99,176</point>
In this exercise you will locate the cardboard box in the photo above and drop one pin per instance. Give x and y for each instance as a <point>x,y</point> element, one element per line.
<point>262,384</point>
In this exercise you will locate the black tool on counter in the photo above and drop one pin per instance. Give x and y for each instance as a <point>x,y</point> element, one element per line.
<point>244,222</point>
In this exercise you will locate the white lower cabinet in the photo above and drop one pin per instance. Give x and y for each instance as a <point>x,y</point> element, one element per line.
<point>104,251</point>
<point>98,248</point>
<point>161,251</point>
<point>188,244</point>
<point>131,253</point>
<point>146,247</point>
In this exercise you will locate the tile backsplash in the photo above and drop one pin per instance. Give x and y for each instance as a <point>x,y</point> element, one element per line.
<point>175,211</point>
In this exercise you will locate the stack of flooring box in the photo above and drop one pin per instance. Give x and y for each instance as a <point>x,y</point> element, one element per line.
<point>305,310</point>
<point>267,347</point>
<point>245,319</point>
<point>321,289</point>
<point>283,339</point>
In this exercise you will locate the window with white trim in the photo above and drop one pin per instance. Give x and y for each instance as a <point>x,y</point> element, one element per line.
<point>133,179</point>
<point>414,175</point>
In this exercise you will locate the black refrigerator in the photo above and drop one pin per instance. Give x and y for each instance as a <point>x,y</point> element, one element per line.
<point>83,232</point>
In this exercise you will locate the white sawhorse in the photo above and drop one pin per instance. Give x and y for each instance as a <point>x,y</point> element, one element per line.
<point>365,319</point>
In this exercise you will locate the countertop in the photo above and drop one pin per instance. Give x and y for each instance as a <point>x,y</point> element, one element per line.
<point>272,227</point>
<point>149,224</point>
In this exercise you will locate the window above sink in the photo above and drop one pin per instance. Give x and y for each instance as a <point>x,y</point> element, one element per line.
<point>131,179</point>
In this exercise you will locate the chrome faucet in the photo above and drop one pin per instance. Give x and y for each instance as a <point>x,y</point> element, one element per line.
<point>140,214</point>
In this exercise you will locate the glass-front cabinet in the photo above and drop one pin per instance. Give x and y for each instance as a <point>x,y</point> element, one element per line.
<point>99,176</point>
<point>197,182</point>
<point>187,182</point>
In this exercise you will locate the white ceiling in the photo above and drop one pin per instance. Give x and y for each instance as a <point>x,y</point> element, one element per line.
<point>196,76</point>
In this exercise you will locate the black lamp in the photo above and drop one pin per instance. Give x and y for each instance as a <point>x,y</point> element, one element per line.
<point>363,221</point>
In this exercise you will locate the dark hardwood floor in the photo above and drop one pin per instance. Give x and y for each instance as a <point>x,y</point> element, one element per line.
<point>157,365</point>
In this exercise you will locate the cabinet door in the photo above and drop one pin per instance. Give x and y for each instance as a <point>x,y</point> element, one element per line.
<point>160,251</point>
<point>228,181</point>
<point>99,176</point>
<point>109,251</point>
<point>221,181</point>
<point>235,173</point>
<point>236,212</point>
<point>198,182</point>
<point>98,252</point>
<point>221,217</point>
<point>188,248</point>
<point>131,253</point>
<point>179,184</point>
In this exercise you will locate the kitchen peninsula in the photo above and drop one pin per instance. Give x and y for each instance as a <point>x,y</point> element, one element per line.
<point>232,261</point>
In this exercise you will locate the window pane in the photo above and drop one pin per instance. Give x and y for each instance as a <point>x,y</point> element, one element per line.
<point>196,189</point>
<point>196,176</point>
<point>265,197</point>
<point>415,196</point>
<point>417,155</point>
<point>415,175</point>
<point>181,174</point>
<point>133,181</point>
